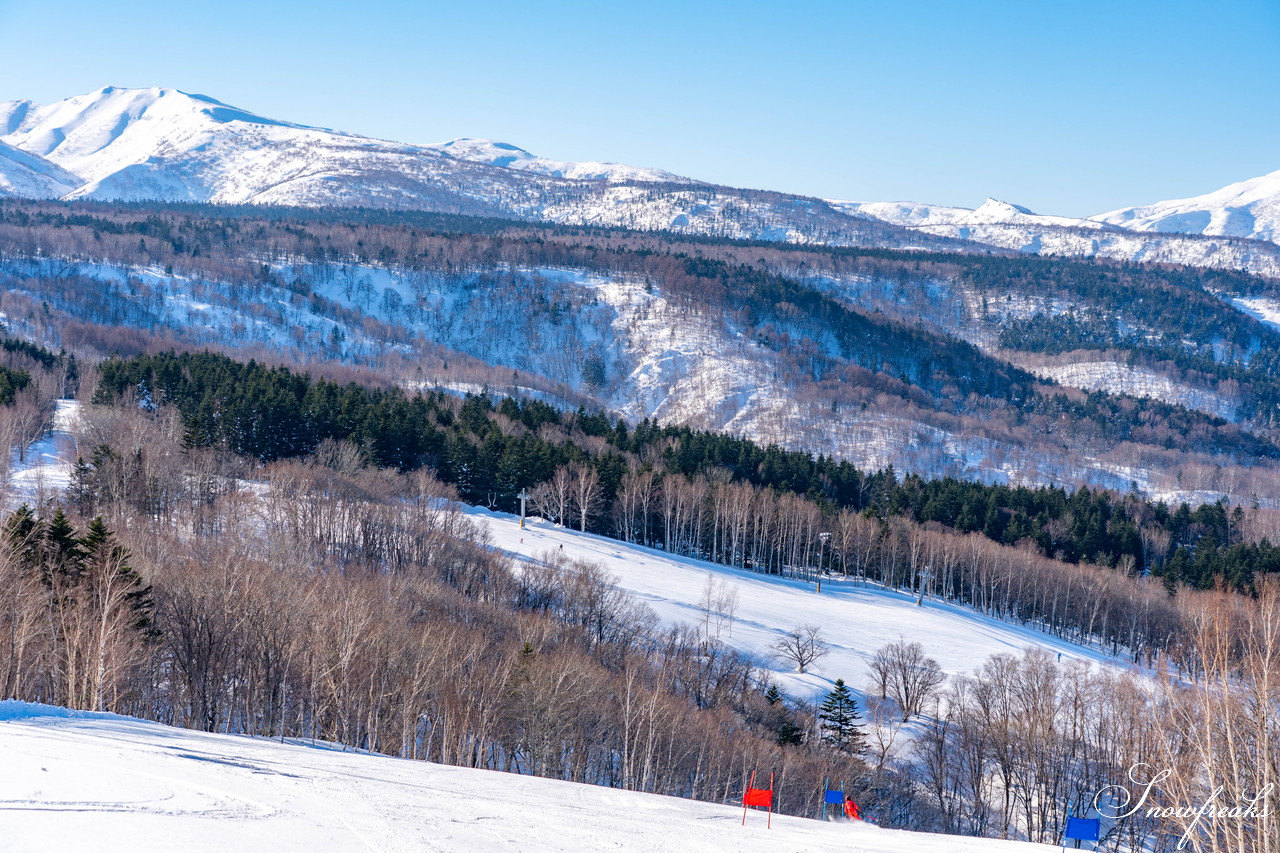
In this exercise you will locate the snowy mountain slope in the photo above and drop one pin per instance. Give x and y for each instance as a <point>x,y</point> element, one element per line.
<point>26,175</point>
<point>78,780</point>
<point>531,331</point>
<point>1010,226</point>
<point>856,617</point>
<point>1120,378</point>
<point>137,144</point>
<point>1249,208</point>
<point>508,156</point>
<point>990,212</point>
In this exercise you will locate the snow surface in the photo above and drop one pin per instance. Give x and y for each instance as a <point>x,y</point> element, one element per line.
<point>856,617</point>
<point>1259,307</point>
<point>1010,226</point>
<point>990,212</point>
<point>509,156</point>
<point>93,781</point>
<point>1249,208</point>
<point>30,176</point>
<point>1121,378</point>
<point>45,468</point>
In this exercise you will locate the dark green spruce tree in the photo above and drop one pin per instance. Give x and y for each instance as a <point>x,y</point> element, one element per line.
<point>839,715</point>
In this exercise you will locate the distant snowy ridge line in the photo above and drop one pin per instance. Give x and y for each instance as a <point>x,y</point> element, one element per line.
<point>142,144</point>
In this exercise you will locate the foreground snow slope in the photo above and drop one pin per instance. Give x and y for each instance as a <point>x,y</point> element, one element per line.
<point>77,781</point>
<point>855,618</point>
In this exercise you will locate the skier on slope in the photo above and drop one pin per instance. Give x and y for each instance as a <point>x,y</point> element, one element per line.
<point>851,808</point>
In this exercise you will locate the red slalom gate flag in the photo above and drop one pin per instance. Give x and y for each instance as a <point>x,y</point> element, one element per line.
<point>761,797</point>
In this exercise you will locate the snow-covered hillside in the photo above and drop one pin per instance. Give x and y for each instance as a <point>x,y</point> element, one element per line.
<point>508,156</point>
<point>856,617</point>
<point>1011,226</point>
<point>28,176</point>
<point>85,781</point>
<point>1249,208</point>
<point>990,212</point>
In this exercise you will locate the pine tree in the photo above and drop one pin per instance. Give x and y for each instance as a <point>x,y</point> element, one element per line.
<point>781,719</point>
<point>101,555</point>
<point>839,715</point>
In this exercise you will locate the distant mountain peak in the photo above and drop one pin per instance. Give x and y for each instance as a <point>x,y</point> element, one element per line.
<point>996,206</point>
<point>1249,208</point>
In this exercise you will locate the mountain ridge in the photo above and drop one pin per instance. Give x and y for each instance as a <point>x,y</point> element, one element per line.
<point>161,144</point>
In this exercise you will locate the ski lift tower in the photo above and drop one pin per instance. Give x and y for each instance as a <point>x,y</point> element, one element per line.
<point>822,548</point>
<point>925,574</point>
<point>523,496</point>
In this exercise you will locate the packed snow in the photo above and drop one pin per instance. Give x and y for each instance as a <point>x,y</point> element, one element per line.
<point>857,617</point>
<point>94,781</point>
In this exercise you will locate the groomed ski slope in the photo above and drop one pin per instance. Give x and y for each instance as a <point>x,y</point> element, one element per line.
<point>856,618</point>
<point>77,781</point>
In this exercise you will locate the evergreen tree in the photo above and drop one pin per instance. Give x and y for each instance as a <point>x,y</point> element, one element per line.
<point>781,720</point>
<point>839,715</point>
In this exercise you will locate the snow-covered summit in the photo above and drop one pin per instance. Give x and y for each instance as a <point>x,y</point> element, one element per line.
<point>509,156</point>
<point>1249,208</point>
<point>160,143</point>
<point>991,212</point>
<point>99,133</point>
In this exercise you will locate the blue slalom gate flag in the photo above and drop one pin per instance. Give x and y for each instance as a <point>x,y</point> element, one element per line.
<point>834,798</point>
<point>1082,829</point>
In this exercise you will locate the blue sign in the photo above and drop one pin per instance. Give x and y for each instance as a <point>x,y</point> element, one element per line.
<point>834,797</point>
<point>1082,829</point>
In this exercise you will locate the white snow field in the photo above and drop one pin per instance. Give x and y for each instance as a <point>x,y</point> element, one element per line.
<point>856,618</point>
<point>101,782</point>
<point>44,468</point>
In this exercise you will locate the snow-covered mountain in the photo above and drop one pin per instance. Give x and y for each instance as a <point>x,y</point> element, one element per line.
<point>164,144</point>
<point>137,144</point>
<point>1244,209</point>
<point>509,156</point>
<point>991,212</point>
<point>29,176</point>
<point>1011,226</point>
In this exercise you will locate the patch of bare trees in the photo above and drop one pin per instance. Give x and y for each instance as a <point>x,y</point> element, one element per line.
<point>801,646</point>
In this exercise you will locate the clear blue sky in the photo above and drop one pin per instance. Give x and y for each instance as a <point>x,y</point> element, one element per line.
<point>1066,107</point>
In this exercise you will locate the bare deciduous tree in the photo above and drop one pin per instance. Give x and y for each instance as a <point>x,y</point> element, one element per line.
<point>906,675</point>
<point>803,645</point>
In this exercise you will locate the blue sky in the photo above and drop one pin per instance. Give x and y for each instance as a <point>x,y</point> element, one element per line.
<point>1068,108</point>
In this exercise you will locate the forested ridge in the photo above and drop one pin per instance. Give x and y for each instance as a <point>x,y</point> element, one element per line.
<point>822,341</point>
<point>492,450</point>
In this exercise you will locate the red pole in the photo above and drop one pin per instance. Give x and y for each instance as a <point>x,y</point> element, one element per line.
<point>744,797</point>
<point>769,820</point>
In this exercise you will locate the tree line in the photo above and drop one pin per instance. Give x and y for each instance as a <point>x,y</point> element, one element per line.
<point>690,491</point>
